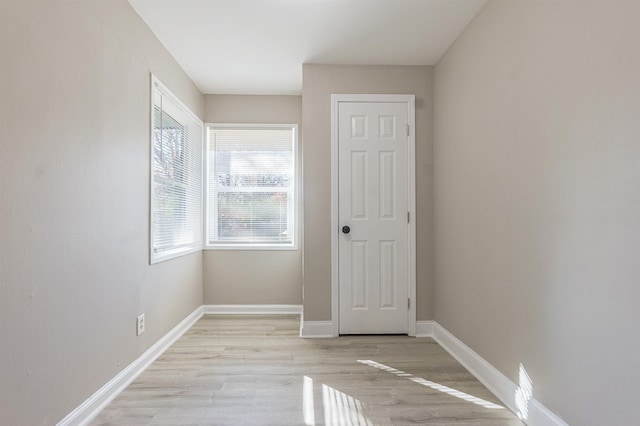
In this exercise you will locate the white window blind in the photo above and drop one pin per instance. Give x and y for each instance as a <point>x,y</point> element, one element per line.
<point>176,177</point>
<point>251,186</point>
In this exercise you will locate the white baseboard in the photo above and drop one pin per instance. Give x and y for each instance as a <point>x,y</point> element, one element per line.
<point>316,329</point>
<point>252,309</point>
<point>539,415</point>
<point>89,409</point>
<point>424,328</point>
<point>494,380</point>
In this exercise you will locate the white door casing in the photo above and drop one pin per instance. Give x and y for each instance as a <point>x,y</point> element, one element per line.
<point>373,193</point>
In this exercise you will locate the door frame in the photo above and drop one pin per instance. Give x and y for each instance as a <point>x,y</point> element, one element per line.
<point>336,99</point>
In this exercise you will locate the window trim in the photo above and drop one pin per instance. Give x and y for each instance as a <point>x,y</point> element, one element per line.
<point>171,253</point>
<point>295,190</point>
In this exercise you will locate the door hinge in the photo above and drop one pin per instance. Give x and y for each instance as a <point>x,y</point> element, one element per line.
<point>408,303</point>
<point>408,131</point>
<point>408,217</point>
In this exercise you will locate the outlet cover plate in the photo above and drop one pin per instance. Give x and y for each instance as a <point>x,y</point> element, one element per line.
<point>140,325</point>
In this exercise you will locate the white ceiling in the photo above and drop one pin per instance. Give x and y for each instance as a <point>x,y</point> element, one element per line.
<point>259,46</point>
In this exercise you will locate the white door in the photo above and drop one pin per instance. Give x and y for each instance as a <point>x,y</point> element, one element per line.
<point>373,206</point>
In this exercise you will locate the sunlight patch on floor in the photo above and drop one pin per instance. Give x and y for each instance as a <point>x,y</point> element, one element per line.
<point>340,409</point>
<point>433,385</point>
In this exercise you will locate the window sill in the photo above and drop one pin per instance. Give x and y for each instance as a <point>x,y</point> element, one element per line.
<point>172,254</point>
<point>251,247</point>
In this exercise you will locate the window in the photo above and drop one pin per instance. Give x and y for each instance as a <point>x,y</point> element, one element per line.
<point>251,186</point>
<point>176,177</point>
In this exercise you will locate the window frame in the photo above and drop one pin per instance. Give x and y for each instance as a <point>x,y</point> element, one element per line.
<point>196,245</point>
<point>295,190</point>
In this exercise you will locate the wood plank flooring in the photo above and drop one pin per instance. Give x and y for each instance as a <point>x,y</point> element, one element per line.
<point>255,370</point>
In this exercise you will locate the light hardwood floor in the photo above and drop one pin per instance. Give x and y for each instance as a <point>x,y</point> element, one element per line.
<point>255,370</point>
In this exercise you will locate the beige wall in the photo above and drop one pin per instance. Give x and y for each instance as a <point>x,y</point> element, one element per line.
<point>74,204</point>
<point>254,277</point>
<point>537,206</point>
<point>319,82</point>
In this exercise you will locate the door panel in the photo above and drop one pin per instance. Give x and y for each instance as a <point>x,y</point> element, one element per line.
<point>388,283</point>
<point>359,166</point>
<point>359,275</point>
<point>373,202</point>
<point>387,184</point>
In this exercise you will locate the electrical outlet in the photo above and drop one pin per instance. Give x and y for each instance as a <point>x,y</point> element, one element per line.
<point>140,323</point>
